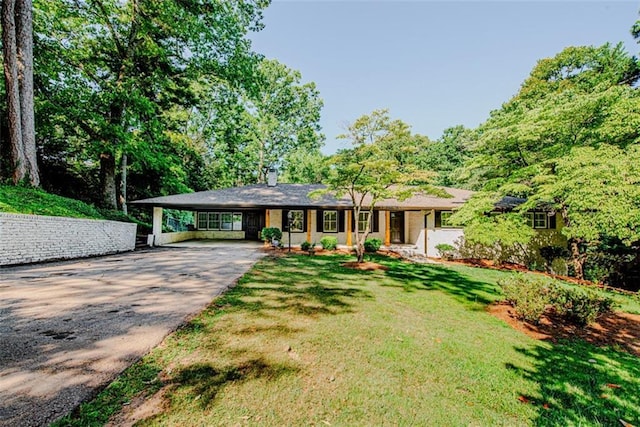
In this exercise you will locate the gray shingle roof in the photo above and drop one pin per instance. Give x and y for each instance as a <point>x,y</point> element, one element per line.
<point>260,196</point>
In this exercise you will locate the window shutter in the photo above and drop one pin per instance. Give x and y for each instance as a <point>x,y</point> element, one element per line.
<point>552,222</point>
<point>438,219</point>
<point>319,220</point>
<point>285,222</point>
<point>305,218</point>
<point>376,221</point>
<point>341,215</point>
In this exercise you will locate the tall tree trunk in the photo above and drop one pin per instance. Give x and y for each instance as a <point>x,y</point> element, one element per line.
<point>108,160</point>
<point>123,184</point>
<point>9,50</point>
<point>261,174</point>
<point>577,258</point>
<point>108,180</point>
<point>24,41</point>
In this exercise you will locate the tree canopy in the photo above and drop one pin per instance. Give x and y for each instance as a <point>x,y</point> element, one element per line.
<point>581,103</point>
<point>379,166</point>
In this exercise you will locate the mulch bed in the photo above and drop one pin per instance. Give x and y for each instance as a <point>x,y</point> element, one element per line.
<point>613,329</point>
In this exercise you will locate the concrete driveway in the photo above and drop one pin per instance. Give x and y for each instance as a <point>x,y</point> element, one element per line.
<point>68,328</point>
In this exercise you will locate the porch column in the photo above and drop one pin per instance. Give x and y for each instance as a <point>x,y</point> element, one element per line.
<point>349,237</point>
<point>267,219</point>
<point>157,225</point>
<point>387,228</point>
<point>309,216</point>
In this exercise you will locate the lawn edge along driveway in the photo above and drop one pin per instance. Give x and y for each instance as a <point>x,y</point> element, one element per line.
<point>69,328</point>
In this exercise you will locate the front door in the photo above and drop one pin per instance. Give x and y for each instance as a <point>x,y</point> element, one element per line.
<point>253,225</point>
<point>396,226</point>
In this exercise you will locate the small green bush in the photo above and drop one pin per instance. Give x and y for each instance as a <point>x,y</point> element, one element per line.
<point>446,250</point>
<point>270,233</point>
<point>581,306</point>
<point>305,246</point>
<point>529,297</point>
<point>329,243</point>
<point>372,244</point>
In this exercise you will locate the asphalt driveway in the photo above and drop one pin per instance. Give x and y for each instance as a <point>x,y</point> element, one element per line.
<point>68,328</point>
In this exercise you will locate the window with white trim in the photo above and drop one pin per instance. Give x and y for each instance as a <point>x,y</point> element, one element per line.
<point>330,221</point>
<point>202,220</point>
<point>540,220</point>
<point>529,219</point>
<point>225,221</point>
<point>297,221</point>
<point>537,219</point>
<point>362,221</point>
<point>214,221</point>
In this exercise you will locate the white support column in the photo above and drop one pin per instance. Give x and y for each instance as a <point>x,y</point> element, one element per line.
<point>157,225</point>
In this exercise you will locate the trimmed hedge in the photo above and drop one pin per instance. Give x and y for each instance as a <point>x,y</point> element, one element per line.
<point>329,243</point>
<point>372,244</point>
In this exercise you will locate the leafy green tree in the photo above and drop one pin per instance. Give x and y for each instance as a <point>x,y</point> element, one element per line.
<point>597,193</point>
<point>248,131</point>
<point>376,168</point>
<point>581,99</point>
<point>448,154</point>
<point>305,167</point>
<point>125,67</point>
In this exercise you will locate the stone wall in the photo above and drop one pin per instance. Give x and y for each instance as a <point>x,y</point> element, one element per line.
<point>33,238</point>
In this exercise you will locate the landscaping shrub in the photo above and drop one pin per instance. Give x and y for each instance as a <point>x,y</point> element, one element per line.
<point>270,233</point>
<point>581,306</point>
<point>551,253</point>
<point>305,246</point>
<point>446,250</point>
<point>528,296</point>
<point>329,243</point>
<point>531,297</point>
<point>372,245</point>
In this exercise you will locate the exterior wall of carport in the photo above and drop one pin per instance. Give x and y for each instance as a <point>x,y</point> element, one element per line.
<point>158,238</point>
<point>420,231</point>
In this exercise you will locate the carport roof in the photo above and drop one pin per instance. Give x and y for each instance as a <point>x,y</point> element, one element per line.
<point>261,196</point>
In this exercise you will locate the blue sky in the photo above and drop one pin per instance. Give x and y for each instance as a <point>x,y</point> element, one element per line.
<point>433,64</point>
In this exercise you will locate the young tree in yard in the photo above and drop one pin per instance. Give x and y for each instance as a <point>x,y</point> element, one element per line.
<point>17,49</point>
<point>581,103</point>
<point>376,168</point>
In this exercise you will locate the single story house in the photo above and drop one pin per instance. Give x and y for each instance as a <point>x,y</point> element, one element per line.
<point>418,223</point>
<point>242,212</point>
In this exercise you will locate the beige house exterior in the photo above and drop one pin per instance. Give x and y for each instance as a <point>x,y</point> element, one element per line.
<point>415,225</point>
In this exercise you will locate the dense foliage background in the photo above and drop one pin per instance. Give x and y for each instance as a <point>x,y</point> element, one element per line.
<point>141,98</point>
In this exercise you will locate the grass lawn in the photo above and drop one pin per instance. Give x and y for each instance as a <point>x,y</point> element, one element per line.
<point>303,341</point>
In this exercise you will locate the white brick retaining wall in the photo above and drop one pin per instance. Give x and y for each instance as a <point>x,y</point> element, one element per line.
<point>33,238</point>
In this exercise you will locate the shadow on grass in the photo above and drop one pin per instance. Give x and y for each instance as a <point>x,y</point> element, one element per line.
<point>303,285</point>
<point>414,277</point>
<point>582,385</point>
<point>203,382</point>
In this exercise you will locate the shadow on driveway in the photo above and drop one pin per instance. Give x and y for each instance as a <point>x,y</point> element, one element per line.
<point>69,328</point>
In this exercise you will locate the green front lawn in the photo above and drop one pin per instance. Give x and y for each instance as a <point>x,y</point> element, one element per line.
<point>303,341</point>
